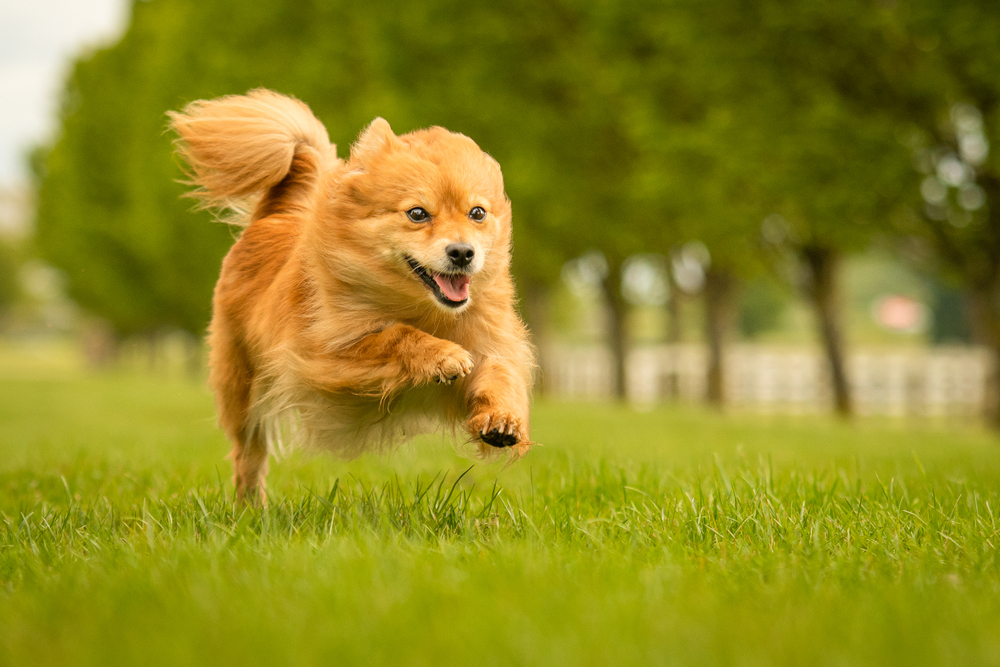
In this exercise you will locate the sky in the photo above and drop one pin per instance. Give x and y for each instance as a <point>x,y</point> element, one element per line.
<point>38,41</point>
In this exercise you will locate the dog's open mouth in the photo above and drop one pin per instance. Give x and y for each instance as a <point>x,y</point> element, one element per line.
<point>451,289</point>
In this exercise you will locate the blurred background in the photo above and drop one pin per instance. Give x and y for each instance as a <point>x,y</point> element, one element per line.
<point>776,205</point>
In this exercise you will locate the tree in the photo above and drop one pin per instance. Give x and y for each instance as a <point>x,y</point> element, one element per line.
<point>729,125</point>
<point>947,96</point>
<point>811,142</point>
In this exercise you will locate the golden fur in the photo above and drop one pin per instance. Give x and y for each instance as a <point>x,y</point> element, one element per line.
<point>323,332</point>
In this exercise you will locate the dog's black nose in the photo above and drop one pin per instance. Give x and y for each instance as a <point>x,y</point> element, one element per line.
<point>461,254</point>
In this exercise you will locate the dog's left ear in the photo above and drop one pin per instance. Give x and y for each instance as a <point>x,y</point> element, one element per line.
<point>375,138</point>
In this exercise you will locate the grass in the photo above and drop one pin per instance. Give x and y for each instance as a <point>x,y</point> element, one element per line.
<point>668,537</point>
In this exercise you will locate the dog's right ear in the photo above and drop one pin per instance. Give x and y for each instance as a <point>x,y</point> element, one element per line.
<point>375,138</point>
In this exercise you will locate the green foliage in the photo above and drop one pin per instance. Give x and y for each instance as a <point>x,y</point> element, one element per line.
<point>628,127</point>
<point>951,102</point>
<point>762,305</point>
<point>10,263</point>
<point>110,213</point>
<point>949,324</point>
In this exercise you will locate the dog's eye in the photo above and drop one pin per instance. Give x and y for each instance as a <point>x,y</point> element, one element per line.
<point>418,214</point>
<point>478,214</point>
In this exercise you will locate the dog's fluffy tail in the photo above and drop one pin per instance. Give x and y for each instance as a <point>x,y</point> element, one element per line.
<point>259,149</point>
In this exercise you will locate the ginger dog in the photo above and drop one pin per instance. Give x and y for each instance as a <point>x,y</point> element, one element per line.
<point>367,299</point>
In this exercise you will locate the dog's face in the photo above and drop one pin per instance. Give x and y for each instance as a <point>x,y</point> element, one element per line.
<point>428,210</point>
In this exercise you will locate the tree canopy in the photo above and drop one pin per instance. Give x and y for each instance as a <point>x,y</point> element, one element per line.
<point>628,127</point>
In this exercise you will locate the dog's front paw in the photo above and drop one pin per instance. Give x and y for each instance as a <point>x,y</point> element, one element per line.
<point>497,429</point>
<point>446,363</point>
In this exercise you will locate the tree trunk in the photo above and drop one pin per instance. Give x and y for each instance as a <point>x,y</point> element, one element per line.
<point>671,384</point>
<point>720,317</point>
<point>675,324</point>
<point>823,263</point>
<point>617,310</point>
<point>194,363</point>
<point>536,313</point>
<point>101,344</point>
<point>984,316</point>
<point>153,351</point>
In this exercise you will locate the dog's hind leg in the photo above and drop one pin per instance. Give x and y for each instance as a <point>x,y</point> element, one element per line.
<point>249,453</point>
<point>250,469</point>
<point>231,377</point>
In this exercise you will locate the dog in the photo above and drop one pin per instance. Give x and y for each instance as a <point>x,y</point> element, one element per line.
<point>366,299</point>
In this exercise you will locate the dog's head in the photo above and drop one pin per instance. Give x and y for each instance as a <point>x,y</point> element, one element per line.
<point>423,215</point>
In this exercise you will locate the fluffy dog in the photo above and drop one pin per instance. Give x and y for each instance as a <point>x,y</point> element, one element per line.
<point>367,299</point>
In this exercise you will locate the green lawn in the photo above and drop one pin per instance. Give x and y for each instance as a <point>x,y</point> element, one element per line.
<point>666,537</point>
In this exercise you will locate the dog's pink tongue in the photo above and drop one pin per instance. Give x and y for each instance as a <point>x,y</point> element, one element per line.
<point>456,287</point>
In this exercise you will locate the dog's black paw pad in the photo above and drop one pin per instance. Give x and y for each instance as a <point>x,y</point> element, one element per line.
<point>497,439</point>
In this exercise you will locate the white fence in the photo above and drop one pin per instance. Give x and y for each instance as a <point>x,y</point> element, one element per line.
<point>932,382</point>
